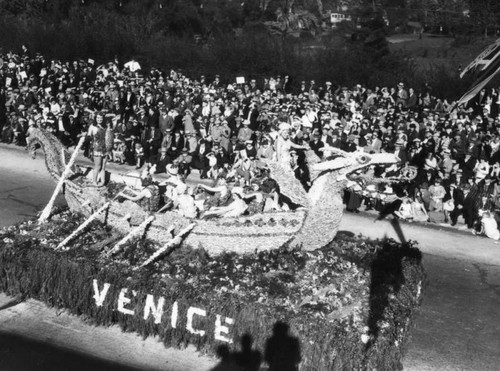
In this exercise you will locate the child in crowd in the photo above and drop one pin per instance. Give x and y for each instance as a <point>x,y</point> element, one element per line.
<point>119,151</point>
<point>405,211</point>
<point>139,155</point>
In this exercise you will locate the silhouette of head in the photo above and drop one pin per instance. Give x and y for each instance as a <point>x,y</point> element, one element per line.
<point>246,342</point>
<point>280,329</point>
<point>222,351</point>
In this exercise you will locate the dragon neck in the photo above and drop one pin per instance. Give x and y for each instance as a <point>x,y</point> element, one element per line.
<point>53,150</point>
<point>326,182</point>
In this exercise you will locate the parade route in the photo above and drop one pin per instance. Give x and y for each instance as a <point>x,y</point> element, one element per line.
<point>457,327</point>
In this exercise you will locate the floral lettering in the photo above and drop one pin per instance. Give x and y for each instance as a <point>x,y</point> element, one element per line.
<point>190,314</point>
<point>220,329</point>
<point>123,300</point>
<point>151,308</point>
<point>99,296</point>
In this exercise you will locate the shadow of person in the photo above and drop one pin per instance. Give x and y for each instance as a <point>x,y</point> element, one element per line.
<point>247,359</point>
<point>225,363</point>
<point>282,350</point>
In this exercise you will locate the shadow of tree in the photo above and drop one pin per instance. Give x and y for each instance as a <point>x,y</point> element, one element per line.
<point>387,277</point>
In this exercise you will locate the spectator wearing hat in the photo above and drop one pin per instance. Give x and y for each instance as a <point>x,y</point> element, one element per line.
<point>178,141</point>
<point>200,160</point>
<point>316,144</point>
<point>265,151</point>
<point>349,145</point>
<point>151,142</point>
<point>428,143</point>
<point>215,129</point>
<point>437,193</point>
<point>165,121</point>
<point>225,134</point>
<point>183,161</point>
<point>481,170</point>
<point>245,133</point>
<point>400,151</point>
<point>375,145</point>
<point>446,164</point>
<point>390,203</point>
<point>416,154</point>
<point>471,205</point>
<point>412,133</point>
<point>455,196</point>
<point>187,121</point>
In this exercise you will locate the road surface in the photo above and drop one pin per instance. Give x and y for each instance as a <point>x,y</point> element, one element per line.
<point>457,328</point>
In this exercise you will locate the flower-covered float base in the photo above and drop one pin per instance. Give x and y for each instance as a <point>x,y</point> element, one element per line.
<point>350,306</point>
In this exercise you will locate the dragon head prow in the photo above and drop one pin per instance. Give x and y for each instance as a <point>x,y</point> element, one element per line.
<point>348,162</point>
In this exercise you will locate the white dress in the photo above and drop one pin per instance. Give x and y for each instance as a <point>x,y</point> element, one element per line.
<point>490,228</point>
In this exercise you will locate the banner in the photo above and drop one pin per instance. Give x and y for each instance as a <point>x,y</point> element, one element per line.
<point>484,59</point>
<point>487,65</point>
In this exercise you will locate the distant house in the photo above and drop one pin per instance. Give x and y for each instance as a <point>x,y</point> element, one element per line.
<point>336,18</point>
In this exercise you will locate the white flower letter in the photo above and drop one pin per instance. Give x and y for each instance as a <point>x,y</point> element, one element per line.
<point>99,296</point>
<point>150,307</point>
<point>190,313</point>
<point>220,329</point>
<point>123,300</point>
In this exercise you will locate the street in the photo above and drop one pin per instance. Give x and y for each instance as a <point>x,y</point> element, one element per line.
<point>457,327</point>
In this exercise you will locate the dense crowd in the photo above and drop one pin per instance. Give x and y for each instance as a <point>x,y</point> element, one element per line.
<point>167,122</point>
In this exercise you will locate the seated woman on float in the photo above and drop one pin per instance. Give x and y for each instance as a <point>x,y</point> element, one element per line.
<point>234,209</point>
<point>148,197</point>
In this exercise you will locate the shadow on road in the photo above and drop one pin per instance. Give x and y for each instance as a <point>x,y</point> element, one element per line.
<point>21,353</point>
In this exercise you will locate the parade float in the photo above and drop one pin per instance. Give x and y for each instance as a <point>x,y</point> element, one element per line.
<point>349,301</point>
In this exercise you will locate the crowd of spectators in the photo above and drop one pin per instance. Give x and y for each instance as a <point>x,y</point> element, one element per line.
<point>167,122</point>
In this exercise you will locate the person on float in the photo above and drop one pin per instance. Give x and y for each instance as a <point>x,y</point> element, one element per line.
<point>234,209</point>
<point>148,196</point>
<point>97,132</point>
<point>284,144</point>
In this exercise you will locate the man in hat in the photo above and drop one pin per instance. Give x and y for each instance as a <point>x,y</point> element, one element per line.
<point>316,144</point>
<point>458,148</point>
<point>349,145</point>
<point>402,94</point>
<point>245,133</point>
<point>428,143</point>
<point>437,193</point>
<point>187,121</point>
<point>446,164</point>
<point>184,162</point>
<point>400,151</point>
<point>416,154</point>
<point>151,141</point>
<point>162,160</point>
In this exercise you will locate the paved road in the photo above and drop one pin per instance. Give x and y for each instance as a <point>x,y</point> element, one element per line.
<point>458,327</point>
